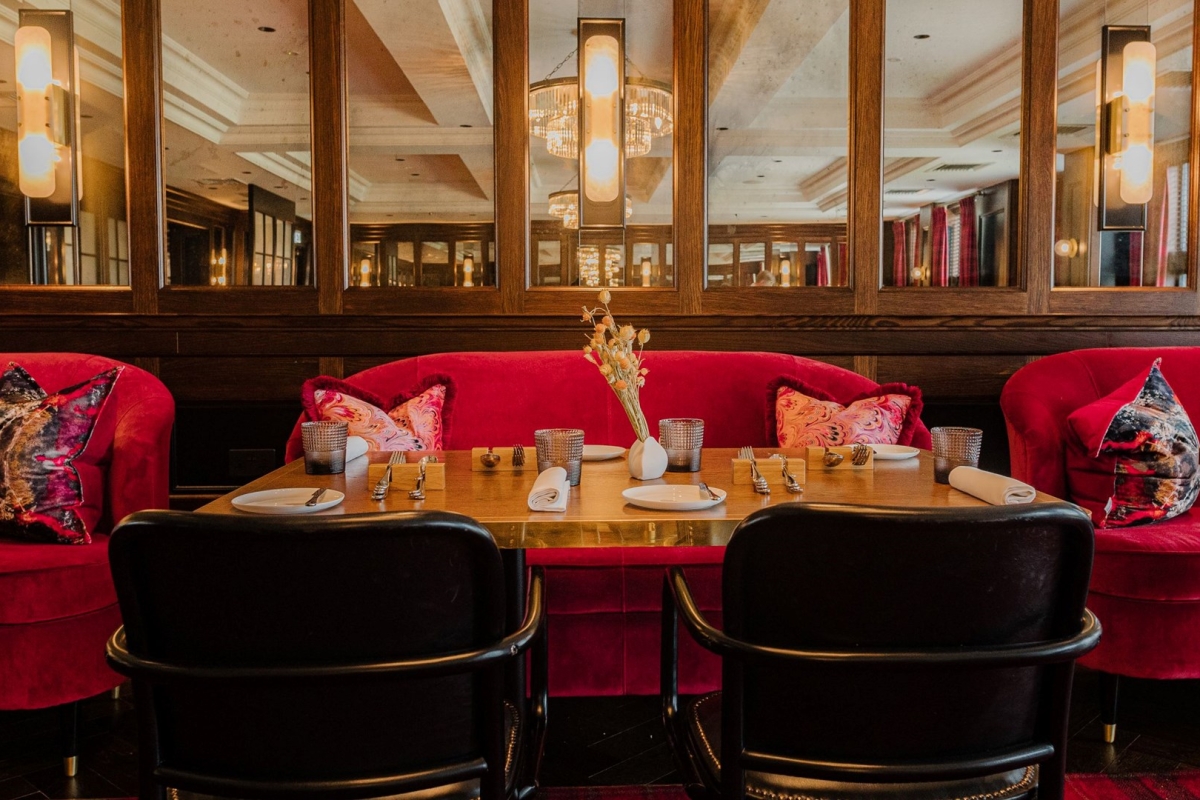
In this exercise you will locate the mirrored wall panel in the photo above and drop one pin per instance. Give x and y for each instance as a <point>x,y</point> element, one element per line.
<point>62,145</point>
<point>601,117</point>
<point>778,78</point>
<point>952,113</point>
<point>237,145</point>
<point>1124,143</point>
<point>422,185</point>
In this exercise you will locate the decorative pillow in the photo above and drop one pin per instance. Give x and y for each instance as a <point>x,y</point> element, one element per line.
<point>51,446</point>
<point>1134,456</point>
<point>412,423</point>
<point>808,417</point>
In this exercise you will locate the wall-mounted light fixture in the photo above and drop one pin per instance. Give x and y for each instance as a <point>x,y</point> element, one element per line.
<point>468,269</point>
<point>785,271</point>
<point>602,123</point>
<point>1067,248</point>
<point>1128,67</point>
<point>647,266</point>
<point>364,272</point>
<point>49,167</point>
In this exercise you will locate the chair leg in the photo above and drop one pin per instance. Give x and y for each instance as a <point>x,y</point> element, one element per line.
<point>116,692</point>
<point>1109,684</point>
<point>68,726</point>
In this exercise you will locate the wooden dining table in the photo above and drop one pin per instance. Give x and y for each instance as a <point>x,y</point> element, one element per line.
<point>597,515</point>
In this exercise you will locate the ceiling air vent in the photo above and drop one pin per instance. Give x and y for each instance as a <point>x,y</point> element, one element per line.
<point>904,191</point>
<point>958,167</point>
<point>1065,130</point>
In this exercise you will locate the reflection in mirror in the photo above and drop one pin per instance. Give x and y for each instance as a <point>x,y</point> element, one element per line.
<point>1106,235</point>
<point>422,183</point>
<point>593,243</point>
<point>778,82</point>
<point>62,213</point>
<point>952,113</point>
<point>236,137</point>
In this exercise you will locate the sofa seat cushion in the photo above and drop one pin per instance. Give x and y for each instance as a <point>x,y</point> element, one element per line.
<point>703,720</point>
<point>41,582</point>
<point>1150,562</point>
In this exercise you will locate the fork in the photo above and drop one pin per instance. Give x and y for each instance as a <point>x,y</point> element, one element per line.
<point>789,479</point>
<point>381,488</point>
<point>860,454</point>
<point>419,492</point>
<point>760,483</point>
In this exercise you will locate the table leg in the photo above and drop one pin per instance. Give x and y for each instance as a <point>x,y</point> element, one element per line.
<point>514,589</point>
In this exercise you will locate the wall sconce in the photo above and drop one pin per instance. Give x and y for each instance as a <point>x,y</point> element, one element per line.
<point>1128,67</point>
<point>48,117</point>
<point>468,269</point>
<point>364,271</point>
<point>785,271</point>
<point>646,267</point>
<point>1067,248</point>
<point>602,123</point>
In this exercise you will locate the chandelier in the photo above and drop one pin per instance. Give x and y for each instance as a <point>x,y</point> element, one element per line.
<point>565,206</point>
<point>554,115</point>
<point>588,257</point>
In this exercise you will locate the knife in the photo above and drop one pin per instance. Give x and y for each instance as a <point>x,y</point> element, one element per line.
<point>312,501</point>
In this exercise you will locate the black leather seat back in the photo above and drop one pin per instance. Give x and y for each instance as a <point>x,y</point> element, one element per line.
<point>846,578</point>
<point>200,590</point>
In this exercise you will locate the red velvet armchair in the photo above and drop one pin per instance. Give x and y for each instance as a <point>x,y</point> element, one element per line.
<point>1146,579</point>
<point>57,603</point>
<point>604,605</point>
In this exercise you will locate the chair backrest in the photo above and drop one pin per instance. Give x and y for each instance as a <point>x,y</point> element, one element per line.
<point>857,578</point>
<point>204,593</point>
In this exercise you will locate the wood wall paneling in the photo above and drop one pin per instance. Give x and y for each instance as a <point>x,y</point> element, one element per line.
<point>865,201</point>
<point>141,36</point>
<point>330,131</point>
<point>510,79</point>
<point>1039,148</point>
<point>690,195</point>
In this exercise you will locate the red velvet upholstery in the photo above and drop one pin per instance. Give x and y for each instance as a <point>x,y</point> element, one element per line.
<point>1146,579</point>
<point>604,604</point>
<point>57,605</point>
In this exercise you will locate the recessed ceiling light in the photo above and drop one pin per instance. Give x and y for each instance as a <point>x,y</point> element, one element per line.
<point>779,161</point>
<point>391,215</point>
<point>85,116</point>
<point>921,36</point>
<point>464,126</point>
<point>290,53</point>
<point>399,159</point>
<point>266,29</point>
<point>997,151</point>
<point>762,176</point>
<point>722,129</point>
<point>416,174</point>
<point>245,172</point>
<point>929,180</point>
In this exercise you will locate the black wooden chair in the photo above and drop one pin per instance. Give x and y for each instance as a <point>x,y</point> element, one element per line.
<point>338,657</point>
<point>887,652</point>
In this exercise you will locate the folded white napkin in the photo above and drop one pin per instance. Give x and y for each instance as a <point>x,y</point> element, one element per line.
<point>990,487</point>
<point>356,446</point>
<point>550,490</point>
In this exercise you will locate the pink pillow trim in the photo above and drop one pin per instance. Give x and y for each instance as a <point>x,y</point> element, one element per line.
<point>907,426</point>
<point>329,383</point>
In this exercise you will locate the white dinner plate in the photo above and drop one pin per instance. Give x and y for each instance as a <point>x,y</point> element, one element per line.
<point>893,452</point>
<point>286,501</point>
<point>672,498</point>
<point>601,452</point>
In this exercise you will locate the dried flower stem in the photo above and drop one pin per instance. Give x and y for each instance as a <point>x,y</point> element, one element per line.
<point>611,348</point>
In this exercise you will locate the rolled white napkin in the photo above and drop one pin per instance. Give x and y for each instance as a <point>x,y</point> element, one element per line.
<point>356,446</point>
<point>990,487</point>
<point>550,490</point>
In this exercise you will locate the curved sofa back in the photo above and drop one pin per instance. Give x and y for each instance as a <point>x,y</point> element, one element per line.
<point>500,398</point>
<point>139,464</point>
<point>1039,397</point>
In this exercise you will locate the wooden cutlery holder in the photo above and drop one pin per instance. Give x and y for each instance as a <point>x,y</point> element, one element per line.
<point>816,458</point>
<point>505,454</point>
<point>404,476</point>
<point>771,469</point>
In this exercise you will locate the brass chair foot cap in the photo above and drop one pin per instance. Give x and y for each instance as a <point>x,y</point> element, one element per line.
<point>71,766</point>
<point>1110,733</point>
<point>116,693</point>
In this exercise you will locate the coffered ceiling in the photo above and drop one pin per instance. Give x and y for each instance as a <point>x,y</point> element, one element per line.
<point>420,80</point>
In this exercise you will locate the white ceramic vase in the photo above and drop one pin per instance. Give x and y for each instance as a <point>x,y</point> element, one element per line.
<point>647,460</point>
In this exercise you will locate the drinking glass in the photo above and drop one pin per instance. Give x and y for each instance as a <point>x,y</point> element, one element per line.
<point>682,439</point>
<point>560,447</point>
<point>954,447</point>
<point>324,447</point>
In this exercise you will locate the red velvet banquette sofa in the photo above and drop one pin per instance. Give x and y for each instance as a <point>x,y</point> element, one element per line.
<point>57,603</point>
<point>1146,579</point>
<point>604,604</point>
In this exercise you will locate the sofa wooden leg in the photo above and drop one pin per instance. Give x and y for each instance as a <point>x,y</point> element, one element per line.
<point>68,726</point>
<point>1109,685</point>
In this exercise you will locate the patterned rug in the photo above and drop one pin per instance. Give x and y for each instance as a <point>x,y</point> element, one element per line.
<point>1178,786</point>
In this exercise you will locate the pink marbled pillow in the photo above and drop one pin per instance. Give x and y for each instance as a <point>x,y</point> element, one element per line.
<point>803,421</point>
<point>413,424</point>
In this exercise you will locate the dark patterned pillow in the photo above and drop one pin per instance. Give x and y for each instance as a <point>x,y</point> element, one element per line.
<point>1144,452</point>
<point>45,495</point>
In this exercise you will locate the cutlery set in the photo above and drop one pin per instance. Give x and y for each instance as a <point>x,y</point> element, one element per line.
<point>380,492</point>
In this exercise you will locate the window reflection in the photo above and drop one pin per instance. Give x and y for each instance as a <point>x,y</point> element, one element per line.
<point>1153,250</point>
<point>778,84</point>
<point>952,113</point>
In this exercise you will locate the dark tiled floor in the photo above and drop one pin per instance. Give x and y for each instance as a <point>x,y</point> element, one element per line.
<point>597,741</point>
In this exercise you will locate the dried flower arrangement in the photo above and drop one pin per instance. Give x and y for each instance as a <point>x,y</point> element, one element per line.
<point>611,349</point>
